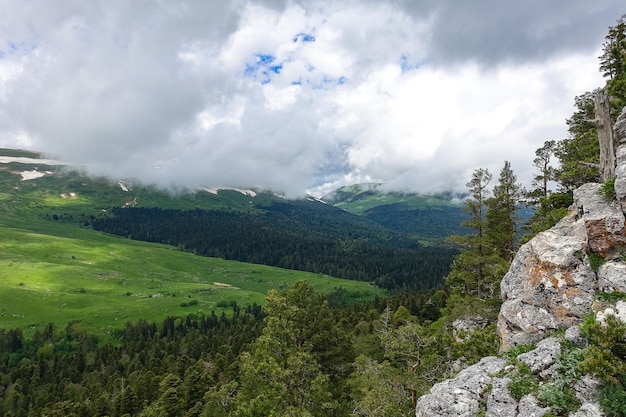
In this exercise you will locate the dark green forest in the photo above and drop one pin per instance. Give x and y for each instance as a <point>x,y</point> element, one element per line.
<point>427,223</point>
<point>192,366</point>
<point>300,235</point>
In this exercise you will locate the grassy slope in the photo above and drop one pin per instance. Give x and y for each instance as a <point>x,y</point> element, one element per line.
<point>60,272</point>
<point>359,198</point>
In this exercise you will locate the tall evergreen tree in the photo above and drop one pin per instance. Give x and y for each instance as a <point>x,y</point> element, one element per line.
<point>501,218</point>
<point>294,368</point>
<point>543,157</point>
<point>579,154</point>
<point>613,65</point>
<point>470,270</point>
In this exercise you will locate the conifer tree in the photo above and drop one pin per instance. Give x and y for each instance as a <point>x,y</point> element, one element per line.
<point>613,65</point>
<point>501,217</point>
<point>546,173</point>
<point>579,154</point>
<point>293,367</point>
<point>470,269</point>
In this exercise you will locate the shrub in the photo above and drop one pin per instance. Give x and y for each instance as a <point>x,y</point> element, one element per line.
<point>608,189</point>
<point>514,352</point>
<point>523,382</point>
<point>595,261</point>
<point>612,297</point>
<point>558,396</point>
<point>612,399</point>
<point>606,359</point>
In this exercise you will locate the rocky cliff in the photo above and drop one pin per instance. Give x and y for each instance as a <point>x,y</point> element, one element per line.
<point>552,283</point>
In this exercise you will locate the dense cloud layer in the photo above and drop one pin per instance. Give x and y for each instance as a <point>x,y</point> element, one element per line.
<point>296,96</point>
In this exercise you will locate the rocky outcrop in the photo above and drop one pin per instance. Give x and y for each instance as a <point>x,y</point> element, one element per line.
<point>549,286</point>
<point>551,283</point>
<point>462,395</point>
<point>620,159</point>
<point>484,387</point>
<point>612,276</point>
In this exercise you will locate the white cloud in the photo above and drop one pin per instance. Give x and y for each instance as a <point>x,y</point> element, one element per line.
<point>294,96</point>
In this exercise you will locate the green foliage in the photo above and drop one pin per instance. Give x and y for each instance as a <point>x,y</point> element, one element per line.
<point>515,351</point>
<point>478,344</point>
<point>579,154</point>
<point>294,365</point>
<point>611,297</point>
<point>612,399</point>
<point>606,359</point>
<point>556,393</point>
<point>380,388</point>
<point>160,369</point>
<point>560,397</point>
<point>523,382</point>
<point>608,189</point>
<point>551,209</point>
<point>613,64</point>
<point>501,218</point>
<point>401,316</point>
<point>595,261</point>
<point>546,172</point>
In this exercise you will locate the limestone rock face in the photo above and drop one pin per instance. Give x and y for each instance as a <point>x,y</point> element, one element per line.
<point>483,388</point>
<point>589,410</point>
<point>543,357</point>
<point>620,158</point>
<point>612,277</point>
<point>620,174</point>
<point>462,395</point>
<point>500,402</point>
<point>549,285</point>
<point>604,221</point>
<point>620,127</point>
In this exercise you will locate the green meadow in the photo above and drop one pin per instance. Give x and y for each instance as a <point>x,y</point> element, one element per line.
<point>60,272</point>
<point>102,282</point>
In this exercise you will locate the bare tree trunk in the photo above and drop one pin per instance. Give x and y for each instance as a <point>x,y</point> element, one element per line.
<point>607,141</point>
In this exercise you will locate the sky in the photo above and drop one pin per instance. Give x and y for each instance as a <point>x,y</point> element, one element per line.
<point>297,96</point>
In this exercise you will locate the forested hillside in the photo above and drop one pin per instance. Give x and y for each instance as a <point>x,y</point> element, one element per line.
<point>301,235</point>
<point>430,218</point>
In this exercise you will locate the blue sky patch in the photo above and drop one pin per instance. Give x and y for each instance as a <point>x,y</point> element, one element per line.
<point>13,48</point>
<point>328,82</point>
<point>303,37</point>
<point>406,65</point>
<point>265,59</point>
<point>263,68</point>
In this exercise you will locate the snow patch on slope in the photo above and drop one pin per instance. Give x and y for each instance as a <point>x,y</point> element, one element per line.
<point>24,160</point>
<point>124,186</point>
<point>31,175</point>
<point>215,190</point>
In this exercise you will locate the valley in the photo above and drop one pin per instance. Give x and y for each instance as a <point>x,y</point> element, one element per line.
<point>54,269</point>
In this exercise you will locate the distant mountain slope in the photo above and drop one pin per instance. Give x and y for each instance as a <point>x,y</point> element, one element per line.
<point>245,225</point>
<point>430,218</point>
<point>52,188</point>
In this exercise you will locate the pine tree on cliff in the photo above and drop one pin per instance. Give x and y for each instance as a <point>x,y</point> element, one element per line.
<point>469,270</point>
<point>613,66</point>
<point>501,218</point>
